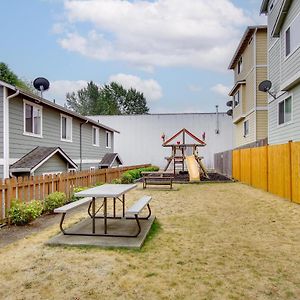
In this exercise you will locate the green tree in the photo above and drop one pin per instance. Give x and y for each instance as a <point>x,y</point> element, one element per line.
<point>7,75</point>
<point>111,99</point>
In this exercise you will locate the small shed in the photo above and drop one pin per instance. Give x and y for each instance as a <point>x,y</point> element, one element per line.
<point>110,160</point>
<point>41,161</point>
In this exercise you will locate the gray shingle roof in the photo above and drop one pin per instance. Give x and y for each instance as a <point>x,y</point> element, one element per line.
<point>36,156</point>
<point>109,159</point>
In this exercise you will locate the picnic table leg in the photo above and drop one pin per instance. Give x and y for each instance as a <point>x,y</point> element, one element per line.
<point>114,207</point>
<point>93,213</point>
<point>123,198</point>
<point>105,215</point>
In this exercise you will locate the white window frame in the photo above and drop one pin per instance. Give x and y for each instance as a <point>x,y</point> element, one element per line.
<point>244,127</point>
<point>26,102</point>
<point>97,144</point>
<point>70,122</point>
<point>291,120</point>
<point>237,93</point>
<point>292,51</point>
<point>108,139</point>
<point>72,170</point>
<point>93,169</point>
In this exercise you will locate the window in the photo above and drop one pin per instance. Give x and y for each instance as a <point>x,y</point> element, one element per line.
<point>95,132</point>
<point>292,37</point>
<point>92,169</point>
<point>285,111</point>
<point>236,99</point>
<point>108,139</point>
<point>66,128</point>
<point>272,4</point>
<point>240,65</point>
<point>32,119</point>
<point>246,128</point>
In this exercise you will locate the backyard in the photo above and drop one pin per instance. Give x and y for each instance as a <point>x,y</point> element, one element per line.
<point>210,241</point>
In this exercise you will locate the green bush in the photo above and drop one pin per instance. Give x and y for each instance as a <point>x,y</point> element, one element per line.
<point>54,200</point>
<point>126,178</point>
<point>131,175</point>
<point>22,213</point>
<point>116,181</point>
<point>77,190</point>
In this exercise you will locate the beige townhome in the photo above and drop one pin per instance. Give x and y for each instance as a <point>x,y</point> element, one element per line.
<point>249,105</point>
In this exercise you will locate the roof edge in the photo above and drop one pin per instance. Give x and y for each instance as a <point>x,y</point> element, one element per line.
<point>245,38</point>
<point>56,106</point>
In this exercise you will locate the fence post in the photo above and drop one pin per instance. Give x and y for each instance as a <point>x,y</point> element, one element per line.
<point>291,170</point>
<point>267,162</point>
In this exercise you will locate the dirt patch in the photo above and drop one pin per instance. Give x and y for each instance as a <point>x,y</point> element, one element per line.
<point>217,241</point>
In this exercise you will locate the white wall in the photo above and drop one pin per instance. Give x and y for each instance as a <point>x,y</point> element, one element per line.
<point>140,140</point>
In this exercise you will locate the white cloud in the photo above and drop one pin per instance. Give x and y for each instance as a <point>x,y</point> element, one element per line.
<point>151,89</point>
<point>201,34</point>
<point>195,88</point>
<point>59,88</point>
<point>221,89</point>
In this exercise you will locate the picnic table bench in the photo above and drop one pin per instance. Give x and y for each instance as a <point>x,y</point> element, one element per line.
<point>132,213</point>
<point>157,178</point>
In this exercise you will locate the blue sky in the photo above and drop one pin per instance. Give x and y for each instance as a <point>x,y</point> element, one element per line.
<point>175,51</point>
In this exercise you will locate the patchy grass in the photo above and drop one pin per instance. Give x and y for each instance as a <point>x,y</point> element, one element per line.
<point>214,241</point>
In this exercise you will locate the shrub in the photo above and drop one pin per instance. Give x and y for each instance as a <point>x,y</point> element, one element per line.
<point>131,175</point>
<point>22,213</point>
<point>135,174</point>
<point>116,181</point>
<point>126,178</point>
<point>77,190</point>
<point>54,200</point>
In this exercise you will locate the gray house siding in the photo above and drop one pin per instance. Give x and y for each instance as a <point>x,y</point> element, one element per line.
<point>1,122</point>
<point>54,164</point>
<point>286,132</point>
<point>274,66</point>
<point>273,17</point>
<point>20,144</point>
<point>282,69</point>
<point>291,65</point>
<point>1,171</point>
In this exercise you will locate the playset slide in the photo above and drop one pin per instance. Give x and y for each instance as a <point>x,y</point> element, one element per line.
<point>193,168</point>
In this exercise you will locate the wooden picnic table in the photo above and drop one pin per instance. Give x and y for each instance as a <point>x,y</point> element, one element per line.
<point>157,178</point>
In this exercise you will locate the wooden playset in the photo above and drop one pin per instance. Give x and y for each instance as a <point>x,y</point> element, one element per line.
<point>184,146</point>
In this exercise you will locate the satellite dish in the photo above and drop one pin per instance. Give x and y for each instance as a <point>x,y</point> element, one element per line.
<point>265,86</point>
<point>229,112</point>
<point>229,103</point>
<point>41,84</point>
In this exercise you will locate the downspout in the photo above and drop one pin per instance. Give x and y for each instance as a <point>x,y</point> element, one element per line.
<point>80,143</point>
<point>6,130</point>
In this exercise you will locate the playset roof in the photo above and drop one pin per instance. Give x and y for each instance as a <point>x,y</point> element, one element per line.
<point>184,132</point>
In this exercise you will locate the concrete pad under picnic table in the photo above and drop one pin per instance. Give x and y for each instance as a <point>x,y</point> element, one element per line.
<point>115,226</point>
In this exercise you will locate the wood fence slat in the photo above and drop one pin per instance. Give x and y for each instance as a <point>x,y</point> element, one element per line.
<point>295,159</point>
<point>259,167</point>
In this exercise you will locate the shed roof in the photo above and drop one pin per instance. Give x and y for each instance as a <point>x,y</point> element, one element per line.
<point>109,159</point>
<point>38,99</point>
<point>37,157</point>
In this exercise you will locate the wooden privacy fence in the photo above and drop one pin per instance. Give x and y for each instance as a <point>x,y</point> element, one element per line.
<point>38,187</point>
<point>274,168</point>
